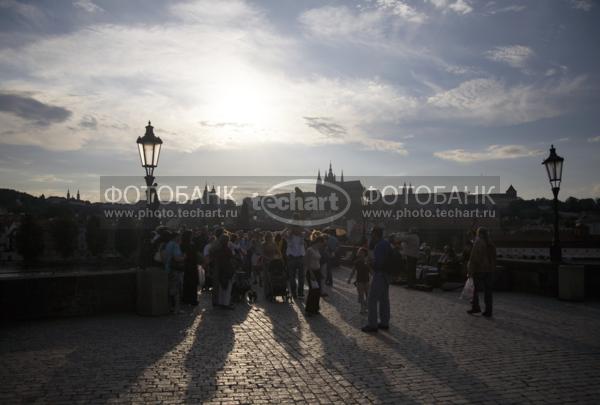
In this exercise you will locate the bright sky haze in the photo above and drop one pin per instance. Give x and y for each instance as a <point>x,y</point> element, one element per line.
<point>281,87</point>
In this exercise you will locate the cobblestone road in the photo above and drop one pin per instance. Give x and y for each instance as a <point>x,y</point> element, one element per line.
<point>535,350</point>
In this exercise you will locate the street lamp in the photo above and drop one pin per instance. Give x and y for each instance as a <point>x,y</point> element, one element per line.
<point>554,166</point>
<point>149,148</point>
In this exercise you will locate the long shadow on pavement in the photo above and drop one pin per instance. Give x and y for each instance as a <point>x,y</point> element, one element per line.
<point>88,359</point>
<point>420,353</point>
<point>213,342</point>
<point>286,327</point>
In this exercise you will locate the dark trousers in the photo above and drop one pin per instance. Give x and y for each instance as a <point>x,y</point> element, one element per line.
<point>314,294</point>
<point>379,299</point>
<point>295,265</point>
<point>331,264</point>
<point>483,283</point>
<point>190,285</point>
<point>215,286</point>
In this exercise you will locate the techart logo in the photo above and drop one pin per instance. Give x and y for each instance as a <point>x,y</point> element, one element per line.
<point>286,202</point>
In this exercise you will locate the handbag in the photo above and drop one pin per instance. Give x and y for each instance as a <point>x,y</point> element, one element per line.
<point>201,276</point>
<point>468,290</point>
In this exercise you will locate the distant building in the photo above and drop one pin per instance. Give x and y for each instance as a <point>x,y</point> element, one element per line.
<point>354,188</point>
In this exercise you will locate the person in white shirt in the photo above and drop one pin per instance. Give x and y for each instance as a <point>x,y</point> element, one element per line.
<point>295,260</point>
<point>313,274</point>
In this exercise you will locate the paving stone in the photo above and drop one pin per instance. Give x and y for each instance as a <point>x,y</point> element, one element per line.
<point>535,350</point>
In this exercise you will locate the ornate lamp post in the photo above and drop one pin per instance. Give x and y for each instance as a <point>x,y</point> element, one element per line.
<point>149,148</point>
<point>554,167</point>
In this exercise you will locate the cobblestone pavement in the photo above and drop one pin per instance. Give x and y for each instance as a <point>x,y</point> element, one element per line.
<point>535,350</point>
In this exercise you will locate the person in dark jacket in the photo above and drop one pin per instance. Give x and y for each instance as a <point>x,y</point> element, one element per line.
<point>225,271</point>
<point>379,299</point>
<point>481,266</point>
<point>313,276</point>
<point>190,269</point>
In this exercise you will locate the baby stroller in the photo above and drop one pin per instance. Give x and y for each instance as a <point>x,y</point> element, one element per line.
<point>242,288</point>
<point>277,285</point>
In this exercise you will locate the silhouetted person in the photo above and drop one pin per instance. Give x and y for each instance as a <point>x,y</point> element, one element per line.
<point>362,270</point>
<point>225,271</point>
<point>295,260</point>
<point>379,298</point>
<point>482,264</point>
<point>173,261</point>
<point>332,261</point>
<point>313,276</point>
<point>190,269</point>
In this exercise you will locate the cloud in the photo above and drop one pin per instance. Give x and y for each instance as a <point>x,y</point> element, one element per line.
<point>28,12</point>
<point>367,24</point>
<point>493,152</point>
<point>594,139</point>
<point>379,28</point>
<point>584,5</point>
<point>512,8</point>
<point>401,9</point>
<point>88,6</point>
<point>49,178</point>
<point>228,79</point>
<point>461,7</point>
<point>516,56</point>
<point>210,124</point>
<point>326,126</point>
<point>342,23</point>
<point>32,110</point>
<point>488,101</point>
<point>384,145</point>
<point>226,64</point>
<point>458,6</point>
<point>88,122</point>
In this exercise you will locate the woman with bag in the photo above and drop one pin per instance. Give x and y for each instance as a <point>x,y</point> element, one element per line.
<point>225,272</point>
<point>481,266</point>
<point>313,276</point>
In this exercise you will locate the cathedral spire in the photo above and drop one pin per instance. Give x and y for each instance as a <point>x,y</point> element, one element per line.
<point>319,181</point>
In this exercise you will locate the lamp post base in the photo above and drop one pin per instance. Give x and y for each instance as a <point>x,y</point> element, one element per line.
<point>555,254</point>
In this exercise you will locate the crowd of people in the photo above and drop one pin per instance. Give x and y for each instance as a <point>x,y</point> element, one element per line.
<point>227,258</point>
<point>283,263</point>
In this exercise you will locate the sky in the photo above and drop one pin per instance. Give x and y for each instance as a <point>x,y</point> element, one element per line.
<point>283,87</point>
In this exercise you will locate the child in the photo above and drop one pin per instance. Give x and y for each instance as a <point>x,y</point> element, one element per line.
<point>362,270</point>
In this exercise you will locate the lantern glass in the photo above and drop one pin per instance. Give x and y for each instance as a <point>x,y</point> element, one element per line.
<point>554,168</point>
<point>142,157</point>
<point>148,154</point>
<point>156,154</point>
